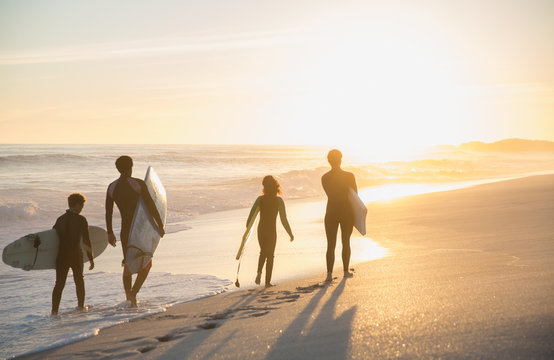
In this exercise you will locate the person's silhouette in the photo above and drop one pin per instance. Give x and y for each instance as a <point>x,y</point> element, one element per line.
<point>125,192</point>
<point>270,205</point>
<point>337,184</point>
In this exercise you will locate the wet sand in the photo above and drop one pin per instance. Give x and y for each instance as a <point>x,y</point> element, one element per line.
<point>470,275</point>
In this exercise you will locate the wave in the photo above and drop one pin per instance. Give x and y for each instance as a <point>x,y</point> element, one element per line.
<point>10,213</point>
<point>39,158</point>
<point>205,179</point>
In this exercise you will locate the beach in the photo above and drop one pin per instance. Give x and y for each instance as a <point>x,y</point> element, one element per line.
<point>438,114</point>
<point>469,274</point>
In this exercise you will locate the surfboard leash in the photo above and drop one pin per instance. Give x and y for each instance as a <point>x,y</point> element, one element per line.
<point>36,244</point>
<point>237,284</point>
<point>141,254</point>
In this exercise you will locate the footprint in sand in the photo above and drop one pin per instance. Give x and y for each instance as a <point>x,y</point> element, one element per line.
<point>208,325</point>
<point>291,297</point>
<point>253,311</point>
<point>260,314</point>
<point>133,339</point>
<point>146,349</point>
<point>220,316</point>
<point>172,317</point>
<point>311,288</point>
<point>165,338</point>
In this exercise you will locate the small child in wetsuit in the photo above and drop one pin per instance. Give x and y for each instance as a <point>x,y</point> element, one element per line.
<point>270,204</point>
<point>71,228</point>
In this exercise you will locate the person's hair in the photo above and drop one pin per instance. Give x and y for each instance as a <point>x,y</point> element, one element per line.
<point>76,199</point>
<point>271,186</point>
<point>334,157</point>
<point>124,163</point>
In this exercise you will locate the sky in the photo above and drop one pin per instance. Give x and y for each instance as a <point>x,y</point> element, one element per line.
<point>373,75</point>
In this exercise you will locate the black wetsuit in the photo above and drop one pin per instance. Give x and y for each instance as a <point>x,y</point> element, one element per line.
<point>337,184</point>
<point>267,234</point>
<point>270,206</point>
<point>71,227</point>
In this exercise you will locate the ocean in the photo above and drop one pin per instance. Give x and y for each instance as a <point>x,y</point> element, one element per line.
<point>210,189</point>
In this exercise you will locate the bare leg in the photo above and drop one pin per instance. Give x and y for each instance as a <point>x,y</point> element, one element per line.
<point>346,232</point>
<point>261,261</point>
<point>141,277</point>
<point>331,229</point>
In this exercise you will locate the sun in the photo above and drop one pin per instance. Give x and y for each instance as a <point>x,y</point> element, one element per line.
<point>379,92</point>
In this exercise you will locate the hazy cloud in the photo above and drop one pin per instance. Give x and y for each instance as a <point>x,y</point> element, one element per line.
<point>150,48</point>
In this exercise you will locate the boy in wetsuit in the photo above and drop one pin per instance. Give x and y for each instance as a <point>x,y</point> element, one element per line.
<point>125,192</point>
<point>71,227</point>
<point>337,184</point>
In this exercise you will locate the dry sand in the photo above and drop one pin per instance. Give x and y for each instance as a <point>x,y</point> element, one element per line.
<point>470,275</point>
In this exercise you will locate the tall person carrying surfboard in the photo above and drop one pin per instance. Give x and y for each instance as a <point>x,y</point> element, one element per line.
<point>126,192</point>
<point>337,184</point>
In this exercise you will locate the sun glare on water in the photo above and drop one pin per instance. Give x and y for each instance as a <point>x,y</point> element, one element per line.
<point>364,249</point>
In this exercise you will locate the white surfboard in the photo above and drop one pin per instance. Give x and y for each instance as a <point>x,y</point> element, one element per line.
<point>247,233</point>
<point>24,255</point>
<point>359,209</point>
<point>144,236</point>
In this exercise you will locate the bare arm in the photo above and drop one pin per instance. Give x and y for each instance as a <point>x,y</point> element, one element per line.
<point>109,215</point>
<point>283,217</point>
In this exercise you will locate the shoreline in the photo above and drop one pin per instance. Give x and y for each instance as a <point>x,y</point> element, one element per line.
<point>439,268</point>
<point>305,215</point>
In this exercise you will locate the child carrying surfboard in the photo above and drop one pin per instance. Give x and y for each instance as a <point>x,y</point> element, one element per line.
<point>269,205</point>
<point>71,227</point>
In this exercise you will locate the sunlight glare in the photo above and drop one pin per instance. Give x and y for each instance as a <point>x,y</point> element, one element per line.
<point>365,249</point>
<point>381,93</point>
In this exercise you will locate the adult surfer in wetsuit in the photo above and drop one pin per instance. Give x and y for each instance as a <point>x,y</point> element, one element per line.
<point>125,192</point>
<point>337,184</point>
<point>71,228</point>
<point>270,204</point>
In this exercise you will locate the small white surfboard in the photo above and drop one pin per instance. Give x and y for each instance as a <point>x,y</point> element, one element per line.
<point>144,236</point>
<point>23,254</point>
<point>359,209</point>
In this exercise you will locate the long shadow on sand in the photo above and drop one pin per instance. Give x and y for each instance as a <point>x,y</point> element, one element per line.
<point>328,337</point>
<point>195,337</point>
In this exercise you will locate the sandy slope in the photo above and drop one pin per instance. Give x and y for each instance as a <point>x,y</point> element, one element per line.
<point>471,275</point>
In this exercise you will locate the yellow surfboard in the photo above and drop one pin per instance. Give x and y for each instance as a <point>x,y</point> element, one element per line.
<point>248,233</point>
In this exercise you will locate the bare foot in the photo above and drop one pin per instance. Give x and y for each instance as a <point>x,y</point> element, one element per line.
<point>258,279</point>
<point>269,285</point>
<point>348,274</point>
<point>329,277</point>
<point>132,297</point>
